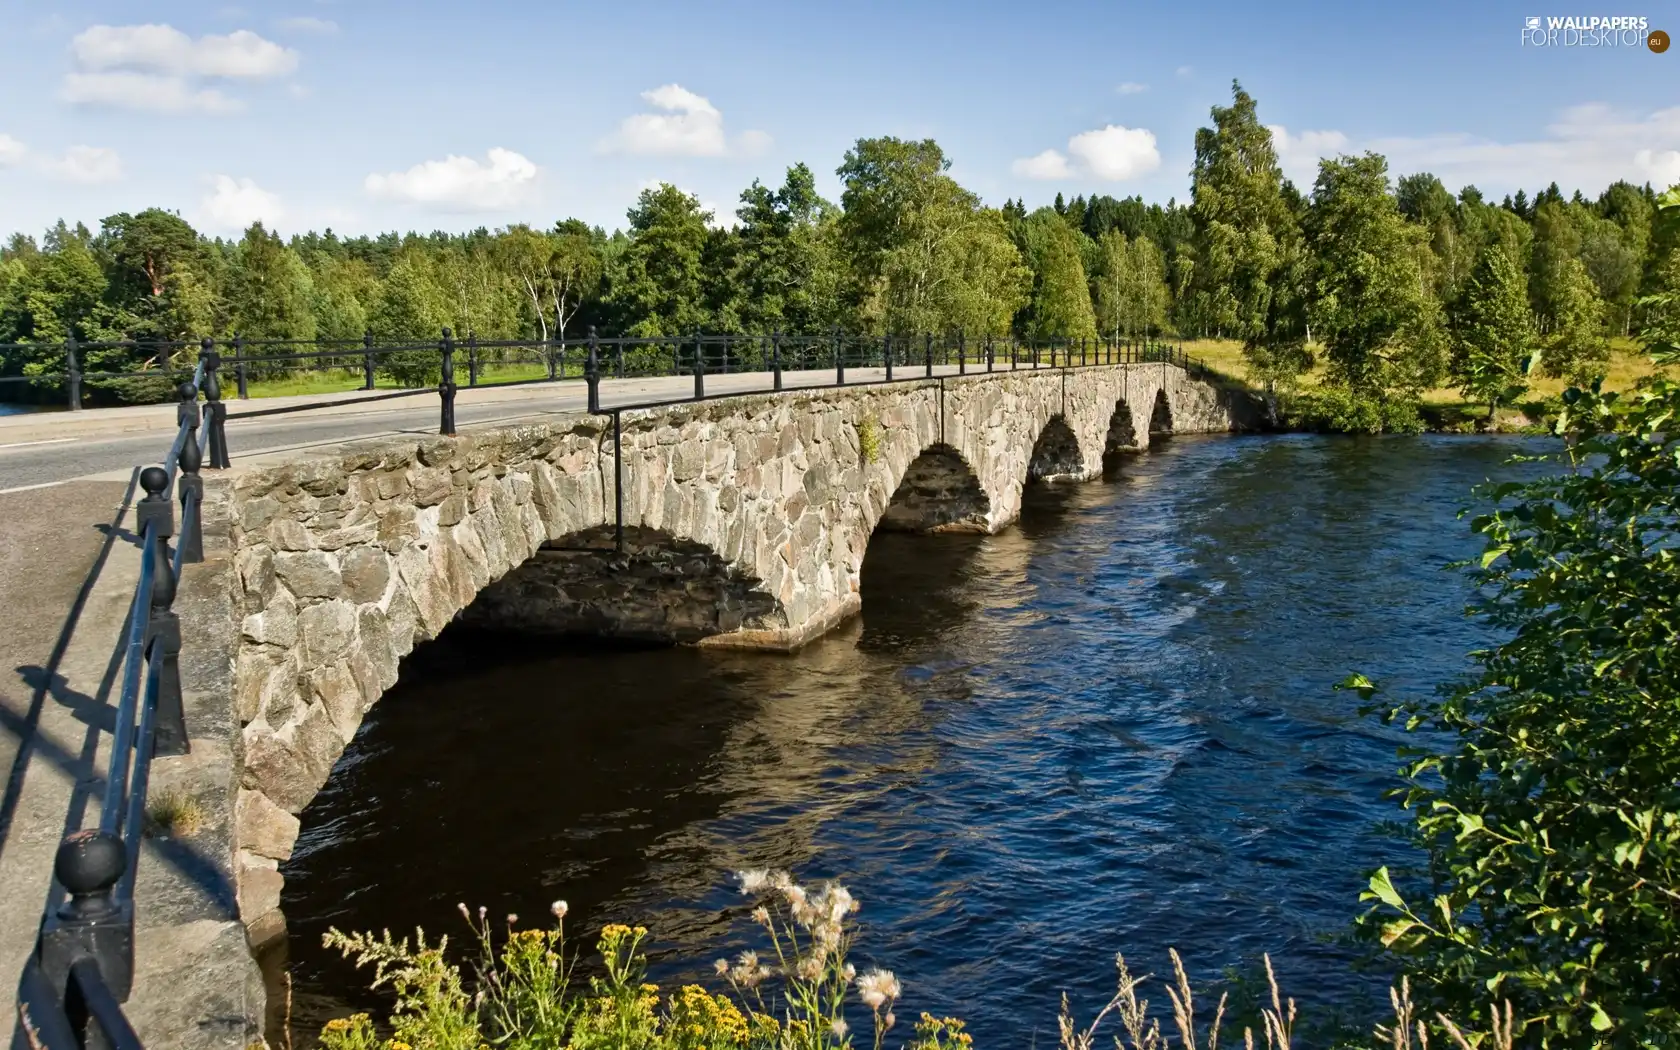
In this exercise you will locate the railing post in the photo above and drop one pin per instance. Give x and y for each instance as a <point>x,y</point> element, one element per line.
<point>163,628</point>
<point>239,381</point>
<point>886,354</point>
<point>592,372</point>
<point>1014,354</point>
<point>962,353</point>
<point>1082,352</point>
<point>94,923</point>
<point>989,352</point>
<point>699,368</point>
<point>190,483</point>
<point>72,373</point>
<point>927,352</point>
<point>446,385</point>
<point>839,358</point>
<point>367,359</point>
<point>550,350</point>
<point>472,358</point>
<point>776,358</point>
<point>215,411</point>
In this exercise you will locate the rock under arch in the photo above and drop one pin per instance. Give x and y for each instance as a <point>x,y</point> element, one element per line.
<point>1122,436</point>
<point>939,493</point>
<point>1055,454</point>
<point>1161,415</point>
<point>660,588</point>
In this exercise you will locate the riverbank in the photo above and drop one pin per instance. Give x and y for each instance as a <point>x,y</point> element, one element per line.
<point>1444,410</point>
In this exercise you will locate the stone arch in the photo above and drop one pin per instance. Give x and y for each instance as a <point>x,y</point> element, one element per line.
<point>1161,414</point>
<point>1055,453</point>
<point>939,492</point>
<point>1122,436</point>
<point>659,588</point>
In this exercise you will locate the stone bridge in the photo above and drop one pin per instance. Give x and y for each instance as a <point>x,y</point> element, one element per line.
<point>744,522</point>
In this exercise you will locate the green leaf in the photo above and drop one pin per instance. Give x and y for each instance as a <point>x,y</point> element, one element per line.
<point>1394,930</point>
<point>1600,1020</point>
<point>1384,890</point>
<point>1493,554</point>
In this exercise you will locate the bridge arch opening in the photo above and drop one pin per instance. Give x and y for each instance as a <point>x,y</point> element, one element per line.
<point>1122,437</point>
<point>1160,416</point>
<point>1056,455</point>
<point>660,589</point>
<point>939,493</point>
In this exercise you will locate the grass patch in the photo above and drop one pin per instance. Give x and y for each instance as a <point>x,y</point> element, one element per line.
<point>173,814</point>
<point>339,381</point>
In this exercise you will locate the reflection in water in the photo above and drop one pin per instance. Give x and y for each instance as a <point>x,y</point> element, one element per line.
<point>1110,727</point>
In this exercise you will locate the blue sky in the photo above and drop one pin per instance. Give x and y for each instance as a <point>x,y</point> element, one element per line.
<point>368,116</point>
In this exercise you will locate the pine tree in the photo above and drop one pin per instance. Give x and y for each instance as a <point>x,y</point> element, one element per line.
<point>1577,349</point>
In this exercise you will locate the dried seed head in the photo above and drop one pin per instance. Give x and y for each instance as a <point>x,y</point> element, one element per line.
<point>559,909</point>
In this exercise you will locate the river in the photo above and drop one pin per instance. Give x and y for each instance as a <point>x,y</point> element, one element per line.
<point>1109,728</point>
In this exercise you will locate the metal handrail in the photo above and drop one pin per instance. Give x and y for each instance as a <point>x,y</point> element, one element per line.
<point>82,970</point>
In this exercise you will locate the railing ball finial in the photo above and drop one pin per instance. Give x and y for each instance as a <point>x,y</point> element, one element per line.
<point>186,391</point>
<point>89,864</point>
<point>154,480</point>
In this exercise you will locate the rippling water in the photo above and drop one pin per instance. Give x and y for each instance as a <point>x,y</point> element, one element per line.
<point>1110,727</point>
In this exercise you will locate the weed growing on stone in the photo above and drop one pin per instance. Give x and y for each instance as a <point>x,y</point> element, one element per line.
<point>869,439</point>
<point>794,996</point>
<point>173,814</point>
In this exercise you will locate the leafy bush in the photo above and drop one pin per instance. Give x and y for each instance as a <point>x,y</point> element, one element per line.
<point>1337,410</point>
<point>1552,824</point>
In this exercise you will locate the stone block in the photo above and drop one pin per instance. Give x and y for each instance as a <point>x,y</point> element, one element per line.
<point>263,828</point>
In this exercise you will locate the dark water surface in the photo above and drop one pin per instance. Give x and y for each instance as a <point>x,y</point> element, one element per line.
<point>1110,727</point>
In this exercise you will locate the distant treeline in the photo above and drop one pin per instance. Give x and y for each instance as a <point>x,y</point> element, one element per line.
<point>1397,286</point>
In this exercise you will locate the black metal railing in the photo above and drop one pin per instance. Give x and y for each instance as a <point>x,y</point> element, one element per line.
<point>82,969</point>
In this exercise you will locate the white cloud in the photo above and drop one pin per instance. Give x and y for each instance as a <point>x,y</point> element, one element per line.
<point>1298,154</point>
<point>1185,71</point>
<point>1586,147</point>
<point>147,92</point>
<point>166,50</point>
<point>1132,87</point>
<point>690,126</point>
<point>12,152</point>
<point>460,183</point>
<point>88,165</point>
<point>1113,153</point>
<point>1116,153</point>
<point>159,69</point>
<point>1047,165</point>
<point>306,24</point>
<point>232,205</point>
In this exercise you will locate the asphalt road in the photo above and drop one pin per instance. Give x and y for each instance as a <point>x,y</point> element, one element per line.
<point>35,460</point>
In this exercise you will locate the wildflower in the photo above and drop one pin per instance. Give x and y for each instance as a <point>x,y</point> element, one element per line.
<point>748,960</point>
<point>761,915</point>
<point>878,988</point>
<point>512,918</point>
<point>838,1027</point>
<point>849,972</point>
<point>780,880</point>
<point>888,1021</point>
<point>465,914</point>
<point>754,880</point>
<point>721,967</point>
<point>559,909</point>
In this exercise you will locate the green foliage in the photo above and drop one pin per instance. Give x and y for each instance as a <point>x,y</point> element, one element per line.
<point>1339,410</point>
<point>1577,349</point>
<point>1242,220</point>
<point>1493,334</point>
<point>657,289</point>
<point>1061,303</point>
<point>869,439</point>
<point>1551,821</point>
<point>523,996</point>
<point>1380,328</point>
<point>409,309</point>
<point>269,289</point>
<point>1130,278</point>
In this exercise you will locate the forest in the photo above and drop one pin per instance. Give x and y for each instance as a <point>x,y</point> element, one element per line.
<point>1382,286</point>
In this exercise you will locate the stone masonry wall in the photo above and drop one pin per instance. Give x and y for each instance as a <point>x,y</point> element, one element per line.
<point>746,521</point>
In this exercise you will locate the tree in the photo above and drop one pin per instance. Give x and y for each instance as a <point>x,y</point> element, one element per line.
<point>269,289</point>
<point>1378,322</point>
<point>785,272</point>
<point>1493,337</point>
<point>1577,348</point>
<point>342,290</point>
<point>1241,218</point>
<point>1544,804</point>
<point>409,309</point>
<point>888,182</point>
<point>157,286</point>
<point>954,267</point>
<point>658,288</point>
<point>1061,303</point>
